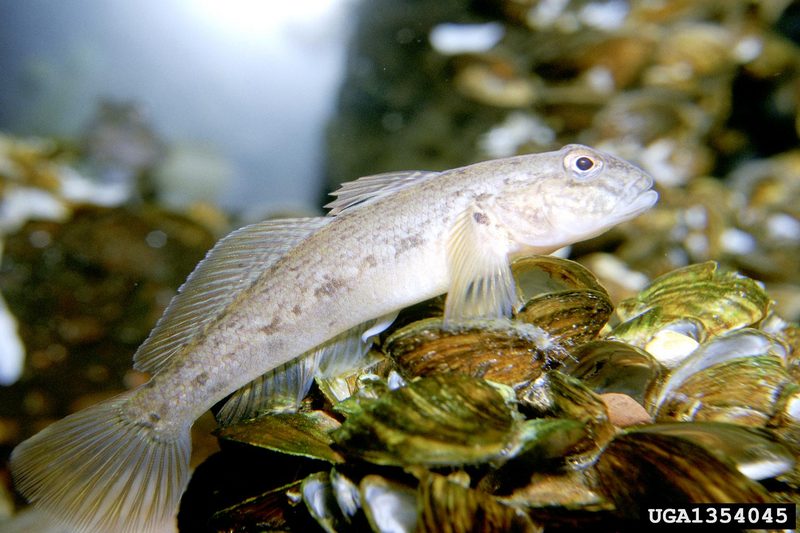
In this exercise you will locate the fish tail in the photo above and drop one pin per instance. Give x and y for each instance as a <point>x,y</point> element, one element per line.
<point>98,470</point>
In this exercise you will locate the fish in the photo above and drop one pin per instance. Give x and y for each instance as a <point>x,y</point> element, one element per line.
<point>275,303</point>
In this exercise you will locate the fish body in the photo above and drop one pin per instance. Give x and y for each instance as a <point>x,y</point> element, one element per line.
<point>275,303</point>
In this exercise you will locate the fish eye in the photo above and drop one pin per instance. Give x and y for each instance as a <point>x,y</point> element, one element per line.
<point>584,163</point>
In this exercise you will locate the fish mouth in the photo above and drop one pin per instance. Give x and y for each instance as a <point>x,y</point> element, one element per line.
<point>639,205</point>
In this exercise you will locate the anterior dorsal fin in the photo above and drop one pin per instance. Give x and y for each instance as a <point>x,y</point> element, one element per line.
<point>229,268</point>
<point>356,193</point>
<point>481,283</point>
<point>284,387</point>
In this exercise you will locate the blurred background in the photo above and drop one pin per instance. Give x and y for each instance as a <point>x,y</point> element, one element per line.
<point>135,134</point>
<point>243,86</point>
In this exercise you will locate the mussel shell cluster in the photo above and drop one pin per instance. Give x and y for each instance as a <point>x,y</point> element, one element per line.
<point>574,412</point>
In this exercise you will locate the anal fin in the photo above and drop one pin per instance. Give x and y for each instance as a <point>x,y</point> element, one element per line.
<point>283,388</point>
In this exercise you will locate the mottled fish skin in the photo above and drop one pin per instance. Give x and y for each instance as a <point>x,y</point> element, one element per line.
<point>394,240</point>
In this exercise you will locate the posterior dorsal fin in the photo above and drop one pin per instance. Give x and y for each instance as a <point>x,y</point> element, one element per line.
<point>356,193</point>
<point>481,283</point>
<point>229,268</point>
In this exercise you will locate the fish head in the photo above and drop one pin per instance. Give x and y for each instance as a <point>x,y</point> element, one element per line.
<point>575,194</point>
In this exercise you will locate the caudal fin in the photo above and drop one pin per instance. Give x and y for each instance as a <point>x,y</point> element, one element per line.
<point>96,471</point>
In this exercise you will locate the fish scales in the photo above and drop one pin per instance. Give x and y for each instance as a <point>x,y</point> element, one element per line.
<point>405,250</point>
<point>392,240</point>
<point>260,332</point>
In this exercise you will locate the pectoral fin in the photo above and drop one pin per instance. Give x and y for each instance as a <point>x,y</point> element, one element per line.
<point>481,283</point>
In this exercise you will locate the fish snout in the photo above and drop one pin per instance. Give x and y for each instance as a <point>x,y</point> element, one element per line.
<point>641,201</point>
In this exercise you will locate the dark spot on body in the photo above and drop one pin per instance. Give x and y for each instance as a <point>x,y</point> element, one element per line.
<point>407,243</point>
<point>371,261</point>
<point>329,288</point>
<point>272,327</point>
<point>154,417</point>
<point>481,218</point>
<point>296,310</point>
<point>201,379</point>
